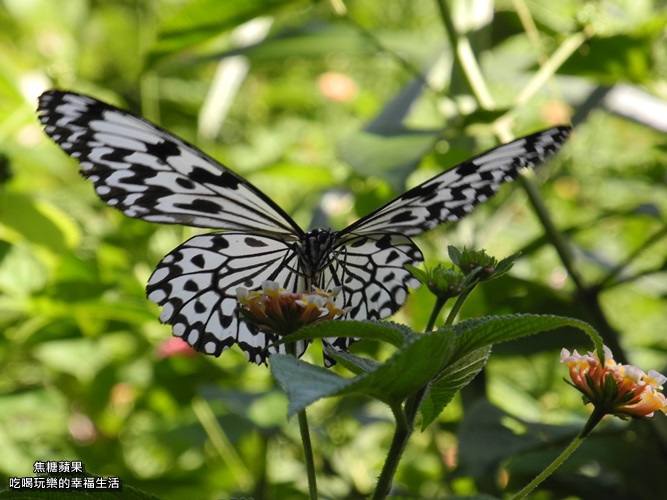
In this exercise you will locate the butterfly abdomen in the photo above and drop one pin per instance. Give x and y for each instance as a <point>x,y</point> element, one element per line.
<point>315,251</point>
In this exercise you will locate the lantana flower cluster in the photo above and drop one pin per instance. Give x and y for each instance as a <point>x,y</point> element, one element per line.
<point>614,388</point>
<point>276,310</point>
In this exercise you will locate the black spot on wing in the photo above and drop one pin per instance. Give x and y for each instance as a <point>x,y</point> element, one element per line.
<point>384,242</point>
<point>253,242</point>
<point>140,174</point>
<point>423,192</point>
<point>185,183</point>
<point>220,178</point>
<point>434,210</point>
<point>219,241</point>
<point>199,261</point>
<point>403,217</point>
<point>117,154</point>
<point>163,149</point>
<point>393,255</point>
<point>199,205</point>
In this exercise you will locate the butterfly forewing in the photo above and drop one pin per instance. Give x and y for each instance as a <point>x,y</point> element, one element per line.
<point>454,193</point>
<point>149,174</point>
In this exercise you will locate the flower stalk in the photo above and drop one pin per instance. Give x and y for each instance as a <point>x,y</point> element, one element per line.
<point>613,389</point>
<point>277,311</point>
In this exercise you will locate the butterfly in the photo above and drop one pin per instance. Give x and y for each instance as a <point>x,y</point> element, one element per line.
<point>147,173</point>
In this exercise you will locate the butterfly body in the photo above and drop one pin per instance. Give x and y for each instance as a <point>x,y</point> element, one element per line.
<point>148,173</point>
<point>316,251</point>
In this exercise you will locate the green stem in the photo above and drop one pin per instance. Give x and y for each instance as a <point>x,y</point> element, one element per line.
<point>459,302</point>
<point>593,420</point>
<point>465,59</point>
<point>404,427</point>
<point>553,235</point>
<point>439,304</point>
<point>308,454</point>
<point>405,418</point>
<point>290,347</point>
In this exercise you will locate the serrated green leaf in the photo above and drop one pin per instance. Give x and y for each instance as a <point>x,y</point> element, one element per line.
<point>421,359</point>
<point>413,366</point>
<point>356,364</point>
<point>480,332</point>
<point>303,382</point>
<point>474,339</point>
<point>458,375</point>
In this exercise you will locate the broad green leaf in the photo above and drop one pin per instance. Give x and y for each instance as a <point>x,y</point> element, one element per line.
<point>413,366</point>
<point>303,382</point>
<point>480,332</point>
<point>421,359</point>
<point>474,339</point>
<point>457,375</point>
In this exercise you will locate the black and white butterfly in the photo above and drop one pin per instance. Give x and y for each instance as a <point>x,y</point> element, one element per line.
<point>147,173</point>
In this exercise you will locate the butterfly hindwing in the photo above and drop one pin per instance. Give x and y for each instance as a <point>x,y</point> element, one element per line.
<point>370,269</point>
<point>148,173</point>
<point>196,286</point>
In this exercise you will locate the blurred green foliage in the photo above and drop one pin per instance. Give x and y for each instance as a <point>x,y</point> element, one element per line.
<point>342,107</point>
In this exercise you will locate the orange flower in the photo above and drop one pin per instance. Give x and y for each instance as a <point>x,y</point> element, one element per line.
<point>275,310</point>
<point>613,388</point>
